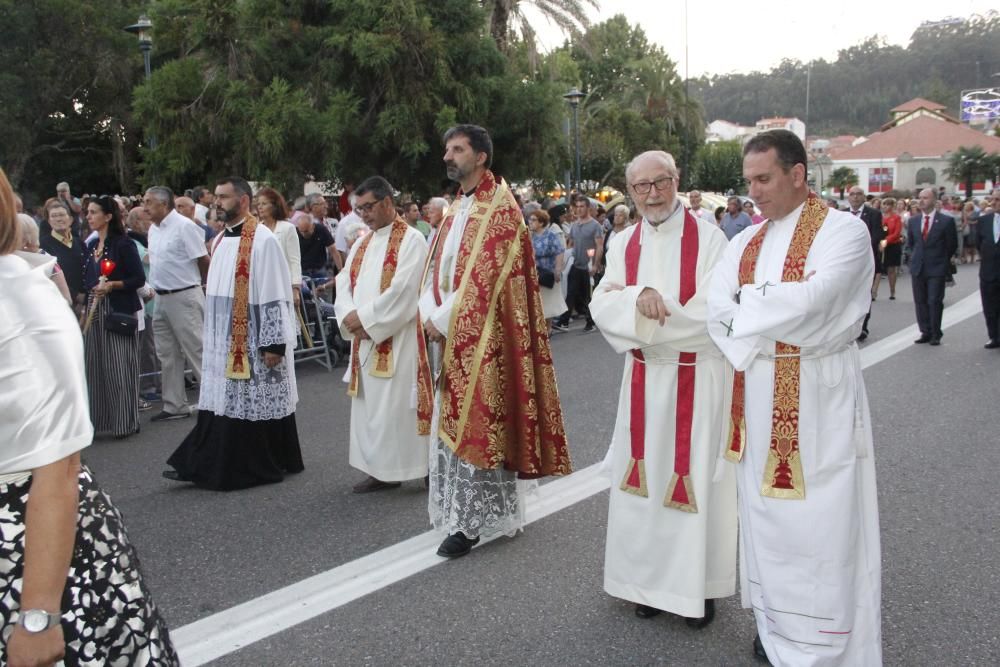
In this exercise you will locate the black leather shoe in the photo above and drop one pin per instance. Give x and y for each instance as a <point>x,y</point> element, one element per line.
<point>935,341</point>
<point>174,476</point>
<point>371,484</point>
<point>457,545</point>
<point>704,621</point>
<point>758,650</point>
<point>645,611</point>
<point>922,340</point>
<point>992,345</point>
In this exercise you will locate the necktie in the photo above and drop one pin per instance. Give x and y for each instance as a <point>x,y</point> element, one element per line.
<point>927,226</point>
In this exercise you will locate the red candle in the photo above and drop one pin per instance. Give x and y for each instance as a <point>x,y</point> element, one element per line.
<point>107,266</point>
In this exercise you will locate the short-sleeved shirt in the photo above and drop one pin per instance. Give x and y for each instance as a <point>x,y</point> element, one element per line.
<point>175,245</point>
<point>734,224</point>
<point>584,236</point>
<point>341,235</point>
<point>44,393</point>
<point>314,249</point>
<point>548,245</point>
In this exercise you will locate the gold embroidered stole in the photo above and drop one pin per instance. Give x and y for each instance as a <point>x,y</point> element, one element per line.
<point>383,366</point>
<point>238,359</point>
<point>783,470</point>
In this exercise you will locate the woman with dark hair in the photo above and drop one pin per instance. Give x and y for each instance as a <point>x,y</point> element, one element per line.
<point>70,584</point>
<point>56,238</point>
<point>273,212</point>
<point>112,276</point>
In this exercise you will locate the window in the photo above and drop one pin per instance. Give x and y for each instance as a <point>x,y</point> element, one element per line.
<point>880,179</point>
<point>926,176</point>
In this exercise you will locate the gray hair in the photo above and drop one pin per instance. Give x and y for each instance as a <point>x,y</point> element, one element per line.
<point>531,207</point>
<point>29,229</point>
<point>299,204</point>
<point>313,198</point>
<point>664,156</point>
<point>378,186</point>
<point>163,194</point>
<point>440,203</point>
<point>621,208</point>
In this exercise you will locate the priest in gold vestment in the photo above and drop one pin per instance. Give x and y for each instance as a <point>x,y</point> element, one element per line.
<point>785,306</point>
<point>496,421</point>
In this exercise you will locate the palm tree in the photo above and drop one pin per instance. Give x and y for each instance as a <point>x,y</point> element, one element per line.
<point>970,164</point>
<point>506,18</point>
<point>843,178</point>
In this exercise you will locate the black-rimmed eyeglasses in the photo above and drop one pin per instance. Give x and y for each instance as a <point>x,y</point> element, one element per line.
<point>661,184</point>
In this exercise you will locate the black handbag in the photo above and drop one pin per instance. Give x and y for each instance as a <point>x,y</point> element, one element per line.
<point>546,278</point>
<point>122,324</point>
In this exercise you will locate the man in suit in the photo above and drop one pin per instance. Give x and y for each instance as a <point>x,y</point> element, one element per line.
<point>872,217</point>
<point>989,270</point>
<point>932,240</point>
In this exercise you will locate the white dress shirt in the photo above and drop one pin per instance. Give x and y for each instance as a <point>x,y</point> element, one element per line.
<point>175,245</point>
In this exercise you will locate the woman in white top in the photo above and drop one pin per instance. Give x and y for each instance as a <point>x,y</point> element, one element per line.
<point>273,212</point>
<point>70,586</point>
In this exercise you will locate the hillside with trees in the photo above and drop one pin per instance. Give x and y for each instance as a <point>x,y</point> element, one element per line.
<point>853,94</point>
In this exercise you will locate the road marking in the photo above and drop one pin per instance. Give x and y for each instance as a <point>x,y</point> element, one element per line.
<point>229,630</point>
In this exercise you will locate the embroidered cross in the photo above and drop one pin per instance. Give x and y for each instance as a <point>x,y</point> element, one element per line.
<point>729,327</point>
<point>763,288</point>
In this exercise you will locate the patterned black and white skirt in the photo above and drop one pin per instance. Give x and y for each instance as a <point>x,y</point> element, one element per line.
<point>108,615</point>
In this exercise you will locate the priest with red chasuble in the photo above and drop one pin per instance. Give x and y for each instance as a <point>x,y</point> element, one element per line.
<point>671,543</point>
<point>246,433</point>
<point>376,310</point>
<point>785,306</point>
<point>496,420</point>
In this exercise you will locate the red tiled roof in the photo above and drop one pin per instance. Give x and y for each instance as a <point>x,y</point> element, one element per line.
<point>916,103</point>
<point>924,136</point>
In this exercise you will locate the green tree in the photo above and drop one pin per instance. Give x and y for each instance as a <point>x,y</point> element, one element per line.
<point>842,178</point>
<point>719,167</point>
<point>336,91</point>
<point>507,20</point>
<point>635,101</point>
<point>971,164</point>
<point>66,72</point>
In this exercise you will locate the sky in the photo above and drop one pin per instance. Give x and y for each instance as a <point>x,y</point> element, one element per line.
<point>727,36</point>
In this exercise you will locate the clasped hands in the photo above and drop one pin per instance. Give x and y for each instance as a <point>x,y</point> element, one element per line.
<point>353,325</point>
<point>650,303</point>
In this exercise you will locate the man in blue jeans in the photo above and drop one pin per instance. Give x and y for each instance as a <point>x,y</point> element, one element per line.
<point>585,235</point>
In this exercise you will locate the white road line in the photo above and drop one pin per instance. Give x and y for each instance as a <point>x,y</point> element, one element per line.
<point>232,629</point>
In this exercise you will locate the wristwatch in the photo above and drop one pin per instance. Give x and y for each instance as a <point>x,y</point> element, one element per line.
<point>37,620</point>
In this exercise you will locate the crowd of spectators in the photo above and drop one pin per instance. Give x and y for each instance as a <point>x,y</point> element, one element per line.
<point>132,269</point>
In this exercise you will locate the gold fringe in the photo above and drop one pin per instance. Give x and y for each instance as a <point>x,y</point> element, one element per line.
<point>737,456</point>
<point>691,505</point>
<point>641,491</point>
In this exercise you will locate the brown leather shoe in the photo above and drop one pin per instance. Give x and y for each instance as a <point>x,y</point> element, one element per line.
<point>371,484</point>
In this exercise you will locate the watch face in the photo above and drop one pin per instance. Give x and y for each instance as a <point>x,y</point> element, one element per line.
<point>35,620</point>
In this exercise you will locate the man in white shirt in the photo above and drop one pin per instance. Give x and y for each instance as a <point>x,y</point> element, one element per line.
<point>203,198</point>
<point>694,203</point>
<point>340,244</point>
<point>178,264</point>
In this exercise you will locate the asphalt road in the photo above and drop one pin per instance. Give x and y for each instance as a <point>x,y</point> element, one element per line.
<point>538,599</point>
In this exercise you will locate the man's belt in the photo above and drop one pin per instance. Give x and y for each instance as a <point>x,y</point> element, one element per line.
<point>163,292</point>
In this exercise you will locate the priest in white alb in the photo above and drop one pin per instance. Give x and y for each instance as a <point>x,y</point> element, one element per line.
<point>785,306</point>
<point>246,433</point>
<point>376,307</point>
<point>671,543</point>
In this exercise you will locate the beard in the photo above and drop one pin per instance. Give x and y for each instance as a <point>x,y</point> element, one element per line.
<point>224,216</point>
<point>455,173</point>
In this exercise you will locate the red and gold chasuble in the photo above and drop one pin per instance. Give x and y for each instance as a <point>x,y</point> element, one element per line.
<point>238,359</point>
<point>783,471</point>
<point>498,394</point>
<point>680,493</point>
<point>383,364</point>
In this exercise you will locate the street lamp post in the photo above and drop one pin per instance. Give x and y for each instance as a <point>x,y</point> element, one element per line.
<point>143,29</point>
<point>573,97</point>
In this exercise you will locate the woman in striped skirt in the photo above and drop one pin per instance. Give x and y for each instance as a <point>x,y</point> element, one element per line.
<point>111,339</point>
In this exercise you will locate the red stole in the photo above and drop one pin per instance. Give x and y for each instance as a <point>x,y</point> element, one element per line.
<point>783,471</point>
<point>238,359</point>
<point>383,366</point>
<point>680,493</point>
<point>499,400</point>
